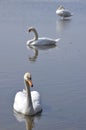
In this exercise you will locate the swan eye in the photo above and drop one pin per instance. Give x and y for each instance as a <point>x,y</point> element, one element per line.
<point>29,30</point>
<point>29,78</point>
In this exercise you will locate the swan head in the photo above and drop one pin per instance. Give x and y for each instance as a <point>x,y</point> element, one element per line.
<point>31,29</point>
<point>28,79</point>
<point>61,7</point>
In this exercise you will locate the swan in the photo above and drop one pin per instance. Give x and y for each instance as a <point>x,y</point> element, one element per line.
<point>61,11</point>
<point>27,102</point>
<point>40,41</point>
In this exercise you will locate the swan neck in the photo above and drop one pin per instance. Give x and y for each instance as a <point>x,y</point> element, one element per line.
<point>28,95</point>
<point>35,35</point>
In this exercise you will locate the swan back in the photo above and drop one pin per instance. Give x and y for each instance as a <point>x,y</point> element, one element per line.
<point>44,42</point>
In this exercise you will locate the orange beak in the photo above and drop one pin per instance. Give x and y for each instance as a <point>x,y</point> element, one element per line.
<point>30,83</point>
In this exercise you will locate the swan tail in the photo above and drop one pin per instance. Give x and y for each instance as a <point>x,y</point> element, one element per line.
<point>72,14</point>
<point>57,39</point>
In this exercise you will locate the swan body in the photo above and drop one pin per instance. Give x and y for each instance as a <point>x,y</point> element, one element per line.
<point>61,11</point>
<point>27,102</point>
<point>40,41</point>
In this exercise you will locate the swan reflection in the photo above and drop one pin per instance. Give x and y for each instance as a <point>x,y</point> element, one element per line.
<point>61,25</point>
<point>30,121</point>
<point>36,49</point>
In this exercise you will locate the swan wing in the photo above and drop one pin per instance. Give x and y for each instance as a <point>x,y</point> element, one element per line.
<point>44,41</point>
<point>36,100</point>
<point>18,104</point>
<point>66,13</point>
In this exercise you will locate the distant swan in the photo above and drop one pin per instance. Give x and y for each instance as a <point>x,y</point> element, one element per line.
<point>27,102</point>
<point>40,41</point>
<point>61,11</point>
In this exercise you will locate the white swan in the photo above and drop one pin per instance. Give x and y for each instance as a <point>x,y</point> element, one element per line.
<point>27,102</point>
<point>40,41</point>
<point>61,11</point>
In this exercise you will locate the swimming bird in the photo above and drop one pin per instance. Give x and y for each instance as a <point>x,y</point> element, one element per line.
<point>27,102</point>
<point>61,11</point>
<point>40,41</point>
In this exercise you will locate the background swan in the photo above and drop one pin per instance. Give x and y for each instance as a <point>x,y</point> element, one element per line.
<point>61,11</point>
<point>27,102</point>
<point>40,41</point>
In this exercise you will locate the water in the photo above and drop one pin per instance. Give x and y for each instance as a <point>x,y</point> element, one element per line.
<point>58,73</point>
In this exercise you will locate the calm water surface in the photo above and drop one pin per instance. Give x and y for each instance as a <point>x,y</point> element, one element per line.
<point>59,73</point>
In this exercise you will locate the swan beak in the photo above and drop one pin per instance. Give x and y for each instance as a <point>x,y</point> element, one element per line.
<point>30,83</point>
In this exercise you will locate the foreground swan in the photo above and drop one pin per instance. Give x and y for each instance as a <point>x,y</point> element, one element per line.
<point>61,11</point>
<point>27,102</point>
<point>40,41</point>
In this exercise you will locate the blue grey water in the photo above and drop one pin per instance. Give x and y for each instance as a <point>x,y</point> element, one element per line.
<point>58,73</point>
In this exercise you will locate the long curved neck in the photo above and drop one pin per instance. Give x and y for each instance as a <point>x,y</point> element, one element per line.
<point>28,98</point>
<point>35,35</point>
<point>34,57</point>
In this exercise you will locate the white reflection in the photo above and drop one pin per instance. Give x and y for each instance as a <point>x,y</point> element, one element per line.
<point>30,121</point>
<point>61,25</point>
<point>36,49</point>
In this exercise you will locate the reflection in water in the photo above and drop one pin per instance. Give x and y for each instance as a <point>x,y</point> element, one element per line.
<point>36,49</point>
<point>34,57</point>
<point>29,120</point>
<point>61,25</point>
